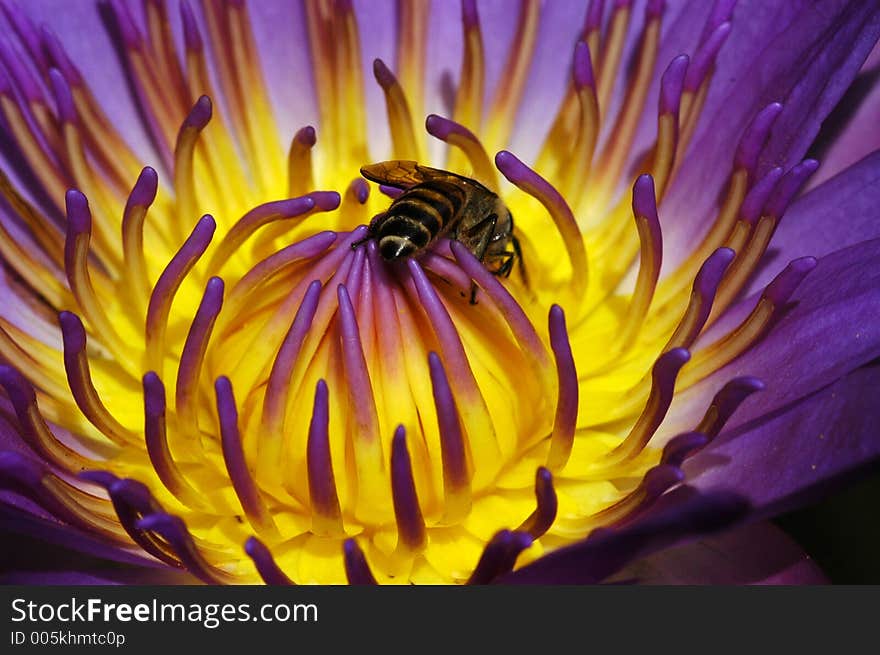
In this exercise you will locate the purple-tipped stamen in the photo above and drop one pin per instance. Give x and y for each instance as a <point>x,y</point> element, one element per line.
<point>58,57</point>
<point>663,375</point>
<point>156,438</point>
<point>456,479</point>
<point>79,378</point>
<point>34,430</point>
<point>565,420</point>
<point>522,328</point>
<point>593,19</point>
<point>702,298</point>
<point>268,268</point>
<point>704,58</point>
<point>167,285</point>
<point>63,96</point>
<point>499,556</point>
<point>255,219</point>
<point>722,12</point>
<point>672,85</point>
<point>529,181</point>
<point>789,187</point>
<point>755,135</point>
<point>411,534</point>
<point>360,387</point>
<point>784,284</point>
<point>21,76</point>
<point>322,483</point>
<point>193,355</point>
<point>582,70</point>
<point>751,209</point>
<point>192,37</point>
<point>547,505</point>
<point>26,32</point>
<point>725,403</point>
<point>174,531</point>
<point>682,446</point>
<point>132,500</point>
<point>233,455</point>
<point>357,571</point>
<point>267,568</point>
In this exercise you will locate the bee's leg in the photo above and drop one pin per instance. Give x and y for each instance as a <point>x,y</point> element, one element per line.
<point>484,231</point>
<point>506,265</point>
<point>522,262</point>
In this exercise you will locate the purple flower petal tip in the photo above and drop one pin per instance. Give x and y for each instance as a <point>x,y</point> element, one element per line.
<point>704,58</point>
<point>325,201</point>
<point>265,563</point>
<point>154,395</point>
<point>583,66</point>
<point>19,390</point>
<point>361,189</point>
<point>783,285</point>
<point>721,12</point>
<point>441,128</point>
<point>191,35</point>
<point>306,136</point>
<point>18,73</point>
<point>103,479</point>
<point>356,568</point>
<point>292,206</point>
<point>672,84</point>
<point>654,8</point>
<point>22,469</point>
<point>594,16</point>
<point>72,331</point>
<point>758,195</point>
<point>144,192</point>
<point>789,187</point>
<point>390,191</point>
<point>670,362</point>
<point>63,96</point>
<point>661,478</point>
<point>755,135</point>
<point>469,15</point>
<point>79,218</point>
<point>200,114</point>
<point>58,56</point>
<point>204,230</point>
<point>710,274</point>
<point>129,32</point>
<point>644,200</point>
<point>383,75</point>
<point>511,167</point>
<point>681,447</point>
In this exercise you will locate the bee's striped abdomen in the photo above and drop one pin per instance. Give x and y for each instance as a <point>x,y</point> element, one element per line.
<point>417,217</point>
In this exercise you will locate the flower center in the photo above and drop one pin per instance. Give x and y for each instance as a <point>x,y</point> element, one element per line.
<point>260,393</point>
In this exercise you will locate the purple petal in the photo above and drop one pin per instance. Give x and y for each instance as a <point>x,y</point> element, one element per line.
<point>786,52</point>
<point>852,131</point>
<point>830,329</point>
<point>787,458</point>
<point>759,553</point>
<point>684,515</point>
<point>32,561</point>
<point>812,225</point>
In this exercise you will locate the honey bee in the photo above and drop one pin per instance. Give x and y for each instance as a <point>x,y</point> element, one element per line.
<point>437,203</point>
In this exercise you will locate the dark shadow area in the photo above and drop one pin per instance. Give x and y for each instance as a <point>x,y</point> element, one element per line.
<point>842,532</point>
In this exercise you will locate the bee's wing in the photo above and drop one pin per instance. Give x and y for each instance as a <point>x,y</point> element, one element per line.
<point>401,173</point>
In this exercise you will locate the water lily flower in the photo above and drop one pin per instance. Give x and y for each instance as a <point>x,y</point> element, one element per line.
<point>212,372</point>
